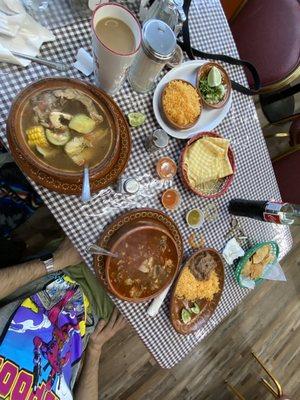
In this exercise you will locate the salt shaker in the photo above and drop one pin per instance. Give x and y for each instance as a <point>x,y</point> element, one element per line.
<point>127,185</point>
<point>157,140</point>
<point>158,47</point>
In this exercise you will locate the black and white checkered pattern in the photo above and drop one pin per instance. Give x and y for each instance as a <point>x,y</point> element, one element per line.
<point>254,178</point>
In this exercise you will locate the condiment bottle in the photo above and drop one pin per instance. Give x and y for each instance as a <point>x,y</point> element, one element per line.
<point>158,47</point>
<point>157,140</point>
<point>268,211</point>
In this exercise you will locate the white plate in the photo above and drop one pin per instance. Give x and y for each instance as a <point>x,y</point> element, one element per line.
<point>209,118</point>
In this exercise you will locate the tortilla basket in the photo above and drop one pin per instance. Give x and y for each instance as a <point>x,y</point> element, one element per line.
<point>213,189</point>
<point>241,264</point>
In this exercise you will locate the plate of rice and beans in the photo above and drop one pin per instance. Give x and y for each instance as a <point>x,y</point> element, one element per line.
<point>178,106</point>
<point>197,291</point>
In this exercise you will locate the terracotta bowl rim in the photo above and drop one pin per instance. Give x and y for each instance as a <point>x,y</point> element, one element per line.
<point>225,77</point>
<point>56,83</point>
<point>117,242</point>
<point>174,124</point>
<point>183,174</point>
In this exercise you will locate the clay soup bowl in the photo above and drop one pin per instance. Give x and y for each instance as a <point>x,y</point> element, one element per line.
<point>117,243</point>
<point>16,135</point>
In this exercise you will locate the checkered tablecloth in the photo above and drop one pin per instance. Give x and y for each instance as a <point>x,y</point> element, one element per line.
<point>254,178</point>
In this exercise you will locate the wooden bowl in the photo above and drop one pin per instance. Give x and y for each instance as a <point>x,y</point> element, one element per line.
<point>119,242</point>
<point>164,114</point>
<point>224,183</point>
<point>203,72</point>
<point>207,307</point>
<point>19,146</point>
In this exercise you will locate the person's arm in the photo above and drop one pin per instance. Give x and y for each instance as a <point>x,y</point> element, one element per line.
<point>88,384</point>
<point>12,278</point>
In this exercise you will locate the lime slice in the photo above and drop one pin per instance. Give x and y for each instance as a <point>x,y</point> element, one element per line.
<point>195,309</point>
<point>214,77</point>
<point>222,91</point>
<point>136,119</point>
<point>185,316</point>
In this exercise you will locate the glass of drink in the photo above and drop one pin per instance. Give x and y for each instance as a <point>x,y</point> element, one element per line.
<point>36,5</point>
<point>116,38</point>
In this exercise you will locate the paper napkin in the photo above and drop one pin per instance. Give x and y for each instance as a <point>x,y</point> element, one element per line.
<point>19,32</point>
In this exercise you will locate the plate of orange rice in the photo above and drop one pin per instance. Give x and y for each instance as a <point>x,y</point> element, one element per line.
<point>197,291</point>
<point>183,110</point>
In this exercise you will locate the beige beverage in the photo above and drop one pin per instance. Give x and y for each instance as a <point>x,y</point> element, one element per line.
<point>116,35</point>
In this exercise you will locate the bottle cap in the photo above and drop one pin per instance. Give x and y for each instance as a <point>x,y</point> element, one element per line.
<point>131,186</point>
<point>159,41</point>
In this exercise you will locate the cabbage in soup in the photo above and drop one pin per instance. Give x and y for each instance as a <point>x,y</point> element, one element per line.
<point>66,129</point>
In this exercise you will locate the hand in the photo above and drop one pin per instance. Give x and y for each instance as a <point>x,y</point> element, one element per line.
<point>103,332</point>
<point>66,255</point>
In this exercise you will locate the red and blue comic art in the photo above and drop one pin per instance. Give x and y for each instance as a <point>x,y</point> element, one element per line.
<point>42,342</point>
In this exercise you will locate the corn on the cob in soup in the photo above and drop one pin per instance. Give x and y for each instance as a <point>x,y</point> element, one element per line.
<point>36,136</point>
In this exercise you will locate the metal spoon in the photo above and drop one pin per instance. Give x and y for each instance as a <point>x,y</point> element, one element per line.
<point>95,249</point>
<point>52,64</point>
<point>86,190</point>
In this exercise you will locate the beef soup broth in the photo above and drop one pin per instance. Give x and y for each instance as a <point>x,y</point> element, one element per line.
<point>66,129</point>
<point>116,35</point>
<point>144,267</point>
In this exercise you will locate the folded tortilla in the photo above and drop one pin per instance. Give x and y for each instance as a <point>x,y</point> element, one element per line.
<point>207,160</point>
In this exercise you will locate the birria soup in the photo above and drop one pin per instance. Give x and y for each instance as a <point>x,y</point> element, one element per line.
<point>66,129</point>
<point>147,261</point>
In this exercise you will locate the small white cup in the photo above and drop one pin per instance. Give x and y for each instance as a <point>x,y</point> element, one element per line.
<point>110,67</point>
<point>201,218</point>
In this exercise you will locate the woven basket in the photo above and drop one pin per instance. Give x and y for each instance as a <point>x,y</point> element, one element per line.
<point>241,264</point>
<point>209,190</point>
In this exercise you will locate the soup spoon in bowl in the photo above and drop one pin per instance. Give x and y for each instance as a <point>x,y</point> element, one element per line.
<point>86,190</point>
<point>97,250</point>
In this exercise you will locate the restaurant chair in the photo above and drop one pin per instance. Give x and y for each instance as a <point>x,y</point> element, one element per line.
<point>287,171</point>
<point>293,134</point>
<point>267,33</point>
<point>287,165</point>
<point>274,388</point>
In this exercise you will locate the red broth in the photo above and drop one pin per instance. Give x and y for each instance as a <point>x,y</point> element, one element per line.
<point>148,261</point>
